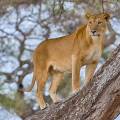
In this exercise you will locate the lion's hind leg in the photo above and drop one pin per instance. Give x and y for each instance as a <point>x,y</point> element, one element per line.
<point>56,78</point>
<point>41,78</point>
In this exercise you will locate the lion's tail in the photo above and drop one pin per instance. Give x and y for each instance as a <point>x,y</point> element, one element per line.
<point>30,87</point>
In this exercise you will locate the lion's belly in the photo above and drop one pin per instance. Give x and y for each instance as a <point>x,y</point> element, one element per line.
<point>63,65</point>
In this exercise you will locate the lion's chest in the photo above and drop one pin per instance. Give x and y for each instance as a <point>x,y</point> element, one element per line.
<point>93,54</point>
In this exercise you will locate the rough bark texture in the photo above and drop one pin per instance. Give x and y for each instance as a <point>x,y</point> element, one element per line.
<point>99,100</point>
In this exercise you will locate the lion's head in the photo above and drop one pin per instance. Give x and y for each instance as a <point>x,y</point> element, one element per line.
<point>97,24</point>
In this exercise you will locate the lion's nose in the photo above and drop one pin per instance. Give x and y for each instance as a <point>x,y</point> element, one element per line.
<point>93,31</point>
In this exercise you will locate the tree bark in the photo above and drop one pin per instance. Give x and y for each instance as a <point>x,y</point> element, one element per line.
<point>99,100</point>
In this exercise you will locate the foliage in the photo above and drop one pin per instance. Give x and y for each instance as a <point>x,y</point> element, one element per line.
<point>18,105</point>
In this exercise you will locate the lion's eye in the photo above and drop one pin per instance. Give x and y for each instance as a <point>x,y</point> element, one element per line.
<point>99,23</point>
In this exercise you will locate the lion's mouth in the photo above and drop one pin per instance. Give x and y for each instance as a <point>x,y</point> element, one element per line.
<point>94,34</point>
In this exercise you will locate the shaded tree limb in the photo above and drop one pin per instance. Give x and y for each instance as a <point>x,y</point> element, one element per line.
<point>99,100</point>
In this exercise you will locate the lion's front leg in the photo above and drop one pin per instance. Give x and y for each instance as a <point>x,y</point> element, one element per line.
<point>75,74</point>
<point>90,69</point>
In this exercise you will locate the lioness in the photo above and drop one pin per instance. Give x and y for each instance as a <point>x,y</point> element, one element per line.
<point>68,54</point>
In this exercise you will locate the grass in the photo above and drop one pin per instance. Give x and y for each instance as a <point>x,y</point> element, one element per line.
<point>18,104</point>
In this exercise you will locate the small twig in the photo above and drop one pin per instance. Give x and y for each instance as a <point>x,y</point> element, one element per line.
<point>102,1</point>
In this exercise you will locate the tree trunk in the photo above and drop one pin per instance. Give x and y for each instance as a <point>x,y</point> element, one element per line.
<point>99,100</point>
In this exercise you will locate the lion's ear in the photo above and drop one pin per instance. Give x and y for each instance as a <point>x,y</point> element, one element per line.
<point>88,15</point>
<point>106,16</point>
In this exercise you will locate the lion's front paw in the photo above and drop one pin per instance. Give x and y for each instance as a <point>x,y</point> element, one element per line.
<point>42,107</point>
<point>75,91</point>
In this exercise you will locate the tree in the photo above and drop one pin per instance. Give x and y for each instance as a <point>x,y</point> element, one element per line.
<point>99,100</point>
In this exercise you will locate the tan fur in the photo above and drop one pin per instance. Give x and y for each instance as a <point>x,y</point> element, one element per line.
<point>68,54</point>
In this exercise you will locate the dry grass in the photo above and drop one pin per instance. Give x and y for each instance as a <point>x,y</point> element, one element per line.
<point>18,104</point>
